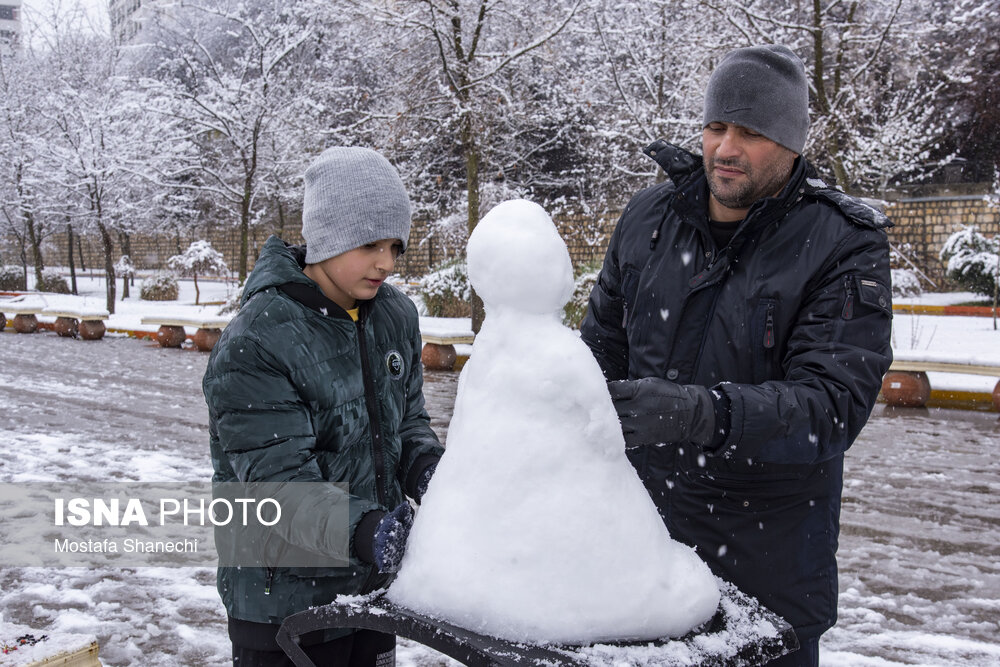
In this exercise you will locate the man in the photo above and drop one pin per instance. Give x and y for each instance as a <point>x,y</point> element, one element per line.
<point>742,318</point>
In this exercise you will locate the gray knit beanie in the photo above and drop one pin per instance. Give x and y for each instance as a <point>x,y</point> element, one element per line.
<point>353,197</point>
<point>763,88</point>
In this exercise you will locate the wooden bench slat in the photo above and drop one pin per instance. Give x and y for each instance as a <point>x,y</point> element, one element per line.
<point>448,339</point>
<point>76,315</point>
<point>944,367</point>
<point>201,323</point>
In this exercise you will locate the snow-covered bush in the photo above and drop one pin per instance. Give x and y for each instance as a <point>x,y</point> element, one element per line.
<point>973,260</point>
<point>124,268</point>
<point>446,290</point>
<point>12,279</point>
<point>905,282</point>
<point>52,282</point>
<point>200,257</point>
<point>232,304</point>
<point>161,286</point>
<point>586,277</point>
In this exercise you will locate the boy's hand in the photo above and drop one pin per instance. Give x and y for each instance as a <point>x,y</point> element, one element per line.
<point>425,481</point>
<point>389,542</point>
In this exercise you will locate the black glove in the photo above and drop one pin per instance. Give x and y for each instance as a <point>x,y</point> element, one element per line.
<point>389,542</point>
<point>656,411</point>
<point>425,481</point>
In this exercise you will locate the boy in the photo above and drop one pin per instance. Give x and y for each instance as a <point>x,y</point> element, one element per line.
<point>318,379</point>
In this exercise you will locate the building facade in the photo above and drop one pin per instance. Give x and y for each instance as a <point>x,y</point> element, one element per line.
<point>127,17</point>
<point>10,25</point>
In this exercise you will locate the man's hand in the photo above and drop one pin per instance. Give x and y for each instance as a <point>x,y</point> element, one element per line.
<point>656,411</point>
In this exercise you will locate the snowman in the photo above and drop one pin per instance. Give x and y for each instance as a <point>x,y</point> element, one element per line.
<point>536,527</point>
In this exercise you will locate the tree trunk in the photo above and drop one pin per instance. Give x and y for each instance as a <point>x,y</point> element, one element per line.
<point>471,152</point>
<point>72,264</point>
<point>79,248</point>
<point>34,237</point>
<point>109,266</point>
<point>197,293</point>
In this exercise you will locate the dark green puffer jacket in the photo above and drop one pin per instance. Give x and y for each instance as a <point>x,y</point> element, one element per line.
<point>298,392</point>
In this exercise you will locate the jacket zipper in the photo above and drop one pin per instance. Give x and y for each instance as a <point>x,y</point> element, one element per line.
<point>267,580</point>
<point>769,327</point>
<point>371,402</point>
<point>848,312</point>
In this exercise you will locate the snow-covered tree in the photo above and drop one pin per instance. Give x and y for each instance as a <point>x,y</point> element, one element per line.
<point>102,136</point>
<point>973,260</point>
<point>126,269</point>
<point>879,72</point>
<point>228,70</point>
<point>20,135</point>
<point>453,70</point>
<point>199,258</point>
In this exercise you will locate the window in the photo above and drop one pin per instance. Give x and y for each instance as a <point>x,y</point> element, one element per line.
<point>8,13</point>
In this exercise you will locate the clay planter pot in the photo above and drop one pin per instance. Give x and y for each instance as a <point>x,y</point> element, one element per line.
<point>25,323</point>
<point>65,326</point>
<point>168,336</point>
<point>996,397</point>
<point>906,389</point>
<point>91,329</point>
<point>205,339</point>
<point>438,357</point>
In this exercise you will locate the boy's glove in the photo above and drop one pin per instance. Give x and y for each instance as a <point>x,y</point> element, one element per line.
<point>389,542</point>
<point>425,481</point>
<point>656,411</point>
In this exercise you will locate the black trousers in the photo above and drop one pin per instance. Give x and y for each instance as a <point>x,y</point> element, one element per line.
<point>806,656</point>
<point>254,645</point>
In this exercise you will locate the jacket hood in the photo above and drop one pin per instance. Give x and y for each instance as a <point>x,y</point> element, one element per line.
<point>279,263</point>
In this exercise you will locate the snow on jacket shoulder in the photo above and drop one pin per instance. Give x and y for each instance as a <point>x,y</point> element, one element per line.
<point>300,394</point>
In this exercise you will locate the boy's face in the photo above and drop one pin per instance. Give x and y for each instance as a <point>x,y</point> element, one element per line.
<point>357,274</point>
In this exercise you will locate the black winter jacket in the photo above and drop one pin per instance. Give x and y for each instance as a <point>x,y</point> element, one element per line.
<point>791,321</point>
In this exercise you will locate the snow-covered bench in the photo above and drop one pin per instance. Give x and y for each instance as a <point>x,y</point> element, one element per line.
<point>906,384</point>
<point>26,646</point>
<point>88,324</point>
<point>440,335</point>
<point>24,320</point>
<point>171,332</point>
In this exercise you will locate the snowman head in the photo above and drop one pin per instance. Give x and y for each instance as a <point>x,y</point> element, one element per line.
<point>517,259</point>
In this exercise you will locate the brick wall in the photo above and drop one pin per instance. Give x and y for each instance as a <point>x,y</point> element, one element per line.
<point>926,222</point>
<point>922,222</point>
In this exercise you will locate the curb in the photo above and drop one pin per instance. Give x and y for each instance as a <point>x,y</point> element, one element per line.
<point>967,311</point>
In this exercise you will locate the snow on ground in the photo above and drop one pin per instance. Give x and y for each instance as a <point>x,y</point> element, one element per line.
<point>920,545</point>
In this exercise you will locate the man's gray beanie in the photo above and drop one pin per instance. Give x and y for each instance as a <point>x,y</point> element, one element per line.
<point>353,197</point>
<point>763,88</point>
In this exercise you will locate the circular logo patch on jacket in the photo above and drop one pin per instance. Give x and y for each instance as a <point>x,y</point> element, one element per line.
<point>394,364</point>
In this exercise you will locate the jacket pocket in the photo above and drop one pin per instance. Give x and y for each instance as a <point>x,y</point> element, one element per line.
<point>764,339</point>
<point>867,294</point>
<point>752,492</point>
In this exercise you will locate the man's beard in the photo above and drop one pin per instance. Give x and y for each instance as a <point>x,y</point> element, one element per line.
<point>756,185</point>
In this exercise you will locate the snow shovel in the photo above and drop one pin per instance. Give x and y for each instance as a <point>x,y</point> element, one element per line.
<point>742,632</point>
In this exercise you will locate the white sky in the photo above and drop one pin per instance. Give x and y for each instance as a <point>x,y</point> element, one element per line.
<point>40,15</point>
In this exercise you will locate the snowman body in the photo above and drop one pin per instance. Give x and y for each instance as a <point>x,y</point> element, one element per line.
<point>536,527</point>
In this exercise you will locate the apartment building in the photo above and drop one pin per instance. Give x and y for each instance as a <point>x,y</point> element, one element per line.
<point>10,25</point>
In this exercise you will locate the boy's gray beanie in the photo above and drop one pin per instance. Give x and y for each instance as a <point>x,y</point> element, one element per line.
<point>765,89</point>
<point>353,197</point>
